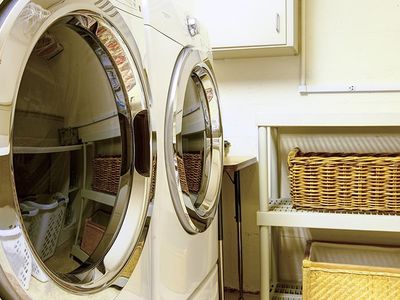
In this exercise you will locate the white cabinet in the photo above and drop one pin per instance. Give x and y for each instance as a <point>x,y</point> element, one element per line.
<point>252,28</point>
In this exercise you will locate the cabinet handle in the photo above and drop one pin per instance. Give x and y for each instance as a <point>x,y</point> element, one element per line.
<point>278,23</point>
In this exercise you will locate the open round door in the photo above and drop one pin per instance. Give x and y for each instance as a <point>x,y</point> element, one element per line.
<point>77,178</point>
<point>194,142</point>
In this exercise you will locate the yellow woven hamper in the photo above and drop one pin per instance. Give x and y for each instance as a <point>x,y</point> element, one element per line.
<point>342,271</point>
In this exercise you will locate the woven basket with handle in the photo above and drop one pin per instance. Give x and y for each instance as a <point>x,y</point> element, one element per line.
<point>345,181</point>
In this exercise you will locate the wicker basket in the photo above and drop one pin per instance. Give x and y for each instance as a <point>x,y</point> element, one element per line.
<point>106,174</point>
<point>93,232</point>
<point>190,170</point>
<point>345,181</point>
<point>339,271</point>
<point>182,175</point>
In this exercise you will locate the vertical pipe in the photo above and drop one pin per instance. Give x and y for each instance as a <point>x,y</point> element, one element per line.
<point>273,188</point>
<point>263,168</point>
<point>265,255</point>
<point>238,207</point>
<point>272,164</point>
<point>303,79</point>
<point>264,230</point>
<point>82,202</point>
<point>221,252</point>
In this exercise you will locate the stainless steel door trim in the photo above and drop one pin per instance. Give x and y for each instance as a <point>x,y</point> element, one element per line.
<point>9,12</point>
<point>195,217</point>
<point>131,100</point>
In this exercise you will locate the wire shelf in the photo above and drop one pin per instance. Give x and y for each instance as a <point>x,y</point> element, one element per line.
<point>282,213</point>
<point>285,205</point>
<point>286,291</point>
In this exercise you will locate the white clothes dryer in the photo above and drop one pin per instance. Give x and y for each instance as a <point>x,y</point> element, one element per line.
<point>190,153</point>
<point>76,157</point>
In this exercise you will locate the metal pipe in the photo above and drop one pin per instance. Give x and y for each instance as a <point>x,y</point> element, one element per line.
<point>221,252</point>
<point>239,231</point>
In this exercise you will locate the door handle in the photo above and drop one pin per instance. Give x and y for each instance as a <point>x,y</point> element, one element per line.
<point>278,23</point>
<point>142,143</point>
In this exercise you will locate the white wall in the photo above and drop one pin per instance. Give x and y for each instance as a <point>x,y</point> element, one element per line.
<point>248,86</point>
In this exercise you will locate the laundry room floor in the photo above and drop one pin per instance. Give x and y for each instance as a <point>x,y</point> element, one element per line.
<point>61,261</point>
<point>234,295</point>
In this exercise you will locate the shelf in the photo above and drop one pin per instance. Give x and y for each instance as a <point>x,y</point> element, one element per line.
<point>40,150</point>
<point>101,130</point>
<point>99,197</point>
<point>282,213</point>
<point>286,291</point>
<point>121,282</point>
<point>79,253</point>
<point>73,189</point>
<point>193,122</point>
<point>42,75</point>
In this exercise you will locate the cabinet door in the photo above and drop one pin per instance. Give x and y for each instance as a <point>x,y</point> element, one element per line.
<point>235,23</point>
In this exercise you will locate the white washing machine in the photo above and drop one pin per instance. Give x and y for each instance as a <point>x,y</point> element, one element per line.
<point>76,156</point>
<point>190,153</point>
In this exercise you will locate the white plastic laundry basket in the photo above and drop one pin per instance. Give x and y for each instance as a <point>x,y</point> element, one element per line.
<point>45,227</point>
<point>28,212</point>
<point>20,258</point>
<point>18,254</point>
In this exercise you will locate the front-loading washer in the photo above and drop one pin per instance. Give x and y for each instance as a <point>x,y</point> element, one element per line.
<point>76,157</point>
<point>190,153</point>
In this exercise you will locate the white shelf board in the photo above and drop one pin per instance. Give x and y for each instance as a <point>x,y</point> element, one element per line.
<point>286,291</point>
<point>99,197</point>
<point>121,282</point>
<point>321,119</point>
<point>193,122</point>
<point>73,189</point>
<point>79,253</point>
<point>39,150</point>
<point>101,130</point>
<point>281,213</point>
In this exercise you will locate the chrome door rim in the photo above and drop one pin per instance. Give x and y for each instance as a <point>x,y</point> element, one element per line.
<point>193,219</point>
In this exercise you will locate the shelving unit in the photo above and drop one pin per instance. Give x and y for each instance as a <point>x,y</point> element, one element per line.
<point>103,128</point>
<point>277,211</point>
<point>60,177</point>
<point>106,129</point>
